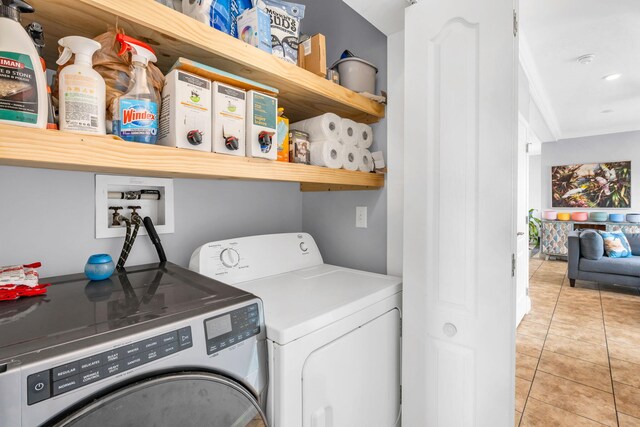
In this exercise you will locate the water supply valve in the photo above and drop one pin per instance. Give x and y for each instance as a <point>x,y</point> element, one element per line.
<point>115,216</point>
<point>194,137</point>
<point>265,139</point>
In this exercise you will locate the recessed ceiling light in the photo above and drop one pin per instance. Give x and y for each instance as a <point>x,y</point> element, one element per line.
<point>607,111</point>
<point>586,59</point>
<point>611,77</point>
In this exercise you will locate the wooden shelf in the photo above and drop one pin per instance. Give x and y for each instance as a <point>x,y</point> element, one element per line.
<point>50,149</point>
<point>173,34</point>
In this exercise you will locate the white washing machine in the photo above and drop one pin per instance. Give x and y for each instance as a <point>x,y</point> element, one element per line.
<point>333,333</point>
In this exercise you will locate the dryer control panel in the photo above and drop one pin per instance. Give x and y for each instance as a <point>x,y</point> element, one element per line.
<point>249,258</point>
<point>70,376</point>
<point>229,329</point>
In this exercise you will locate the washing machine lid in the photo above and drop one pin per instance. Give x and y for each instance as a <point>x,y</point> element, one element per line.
<point>75,308</point>
<point>302,301</point>
<point>180,399</point>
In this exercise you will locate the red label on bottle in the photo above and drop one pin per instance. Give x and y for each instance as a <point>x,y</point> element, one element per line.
<point>10,63</point>
<point>131,115</point>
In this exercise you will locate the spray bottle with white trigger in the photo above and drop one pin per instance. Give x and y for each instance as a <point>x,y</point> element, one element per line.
<point>136,113</point>
<point>82,89</point>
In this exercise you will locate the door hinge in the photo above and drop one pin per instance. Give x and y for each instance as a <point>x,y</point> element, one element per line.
<point>527,291</point>
<point>401,394</point>
<point>515,23</point>
<point>513,265</point>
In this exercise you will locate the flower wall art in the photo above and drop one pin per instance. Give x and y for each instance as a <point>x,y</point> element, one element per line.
<point>594,185</point>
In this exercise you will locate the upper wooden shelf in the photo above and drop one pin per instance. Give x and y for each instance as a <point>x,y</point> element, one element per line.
<point>173,34</point>
<point>20,146</point>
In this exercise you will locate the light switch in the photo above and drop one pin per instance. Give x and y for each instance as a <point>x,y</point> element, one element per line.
<point>361,217</point>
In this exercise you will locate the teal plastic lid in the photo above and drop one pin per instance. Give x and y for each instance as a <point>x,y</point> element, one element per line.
<point>100,259</point>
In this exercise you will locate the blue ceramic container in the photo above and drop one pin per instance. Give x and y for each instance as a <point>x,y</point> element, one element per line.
<point>616,217</point>
<point>598,216</point>
<point>99,267</point>
<point>633,217</point>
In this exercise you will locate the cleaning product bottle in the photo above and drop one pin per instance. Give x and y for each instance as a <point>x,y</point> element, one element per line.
<point>136,115</point>
<point>82,89</point>
<point>23,87</point>
<point>36,32</point>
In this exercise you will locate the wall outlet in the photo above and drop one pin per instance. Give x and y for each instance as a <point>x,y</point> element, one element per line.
<point>160,211</point>
<point>361,217</point>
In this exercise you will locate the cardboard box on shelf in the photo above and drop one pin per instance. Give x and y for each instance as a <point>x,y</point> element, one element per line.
<point>312,55</point>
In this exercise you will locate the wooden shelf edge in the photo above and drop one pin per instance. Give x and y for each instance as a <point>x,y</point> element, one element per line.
<point>50,149</point>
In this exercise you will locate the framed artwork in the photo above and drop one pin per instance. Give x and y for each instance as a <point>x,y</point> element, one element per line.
<point>593,185</point>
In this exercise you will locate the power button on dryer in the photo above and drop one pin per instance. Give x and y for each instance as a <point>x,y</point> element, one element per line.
<point>303,247</point>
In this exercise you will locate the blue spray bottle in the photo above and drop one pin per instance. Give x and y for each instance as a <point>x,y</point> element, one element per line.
<point>136,115</point>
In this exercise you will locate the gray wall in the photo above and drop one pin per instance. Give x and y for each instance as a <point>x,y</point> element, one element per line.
<point>50,215</point>
<point>51,218</point>
<point>535,183</point>
<point>593,149</point>
<point>330,217</point>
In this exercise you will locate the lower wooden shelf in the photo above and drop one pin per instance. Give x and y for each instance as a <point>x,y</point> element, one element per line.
<point>50,149</point>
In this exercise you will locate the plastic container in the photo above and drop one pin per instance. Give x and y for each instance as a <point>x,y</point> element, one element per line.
<point>357,74</point>
<point>99,267</point>
<point>136,118</point>
<point>633,217</point>
<point>616,217</point>
<point>579,216</point>
<point>598,216</point>
<point>82,90</point>
<point>564,216</point>
<point>23,86</point>
<point>550,215</point>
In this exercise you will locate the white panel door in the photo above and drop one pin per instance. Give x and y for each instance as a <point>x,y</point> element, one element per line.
<point>460,205</point>
<point>523,304</point>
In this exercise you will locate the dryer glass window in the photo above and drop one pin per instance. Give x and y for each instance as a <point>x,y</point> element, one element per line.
<point>184,399</point>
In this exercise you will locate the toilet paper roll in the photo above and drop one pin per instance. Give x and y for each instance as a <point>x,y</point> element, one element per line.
<point>365,161</point>
<point>326,153</point>
<point>364,135</point>
<point>320,128</point>
<point>350,157</point>
<point>348,132</point>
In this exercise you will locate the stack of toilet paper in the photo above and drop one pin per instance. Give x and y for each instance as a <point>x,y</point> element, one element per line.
<point>338,143</point>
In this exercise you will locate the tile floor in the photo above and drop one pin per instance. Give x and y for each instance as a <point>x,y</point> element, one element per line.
<point>578,353</point>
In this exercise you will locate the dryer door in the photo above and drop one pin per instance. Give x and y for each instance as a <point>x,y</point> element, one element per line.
<point>183,399</point>
<point>355,380</point>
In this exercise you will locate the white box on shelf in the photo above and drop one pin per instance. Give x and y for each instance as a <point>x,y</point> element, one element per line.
<point>160,211</point>
<point>185,115</point>
<point>229,116</point>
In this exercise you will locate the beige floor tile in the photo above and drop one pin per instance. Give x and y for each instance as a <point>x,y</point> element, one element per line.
<point>540,414</point>
<point>579,399</point>
<point>579,349</point>
<point>516,419</point>
<point>627,399</point>
<point>526,366</point>
<point>578,319</point>
<point>623,372</point>
<point>577,332</point>
<point>623,317</point>
<point>533,329</point>
<point>579,311</point>
<point>623,351</point>
<point>539,316</point>
<point>620,297</point>
<point>625,420</point>
<point>577,370</point>
<point>522,392</point>
<point>627,334</point>
<point>530,346</point>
